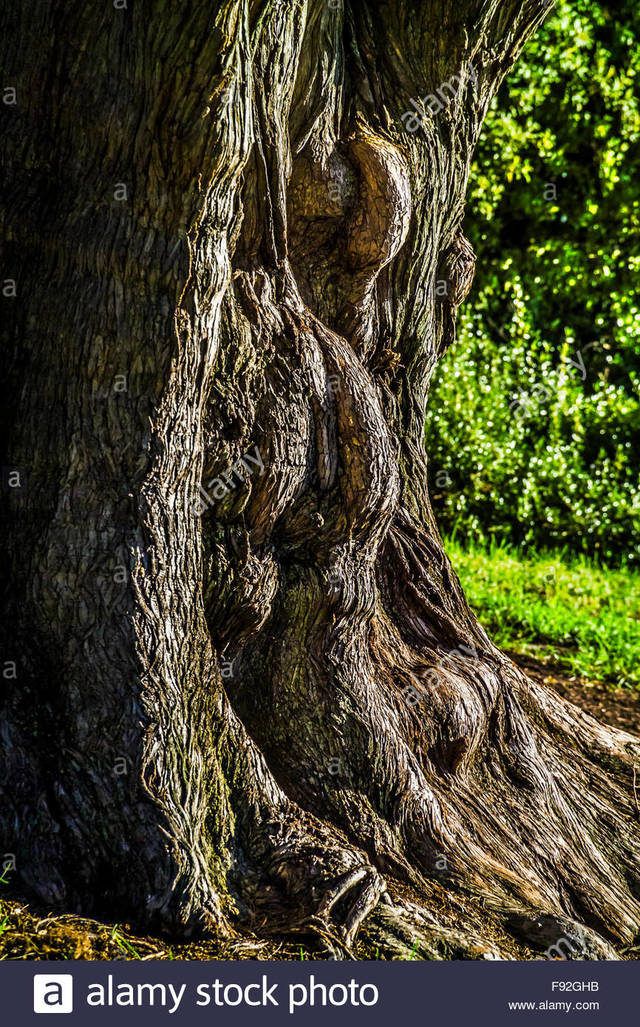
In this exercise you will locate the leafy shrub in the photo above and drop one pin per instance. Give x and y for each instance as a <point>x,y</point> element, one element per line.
<point>534,416</point>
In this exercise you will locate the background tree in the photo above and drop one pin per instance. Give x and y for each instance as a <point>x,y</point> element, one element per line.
<point>227,240</point>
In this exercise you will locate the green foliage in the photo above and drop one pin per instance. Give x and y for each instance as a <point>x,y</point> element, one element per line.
<point>522,447</point>
<point>565,609</point>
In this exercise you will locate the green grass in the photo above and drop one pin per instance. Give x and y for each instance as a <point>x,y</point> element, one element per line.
<point>562,609</point>
<point>122,943</point>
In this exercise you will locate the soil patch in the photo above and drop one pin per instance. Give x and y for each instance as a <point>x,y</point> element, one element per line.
<point>615,707</point>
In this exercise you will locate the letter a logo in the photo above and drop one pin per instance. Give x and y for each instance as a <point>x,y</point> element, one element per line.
<point>53,993</point>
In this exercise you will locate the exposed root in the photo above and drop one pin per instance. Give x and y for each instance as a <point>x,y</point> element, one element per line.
<point>368,886</point>
<point>403,930</point>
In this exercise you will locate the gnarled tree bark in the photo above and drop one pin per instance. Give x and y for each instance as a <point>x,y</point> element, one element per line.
<point>248,688</point>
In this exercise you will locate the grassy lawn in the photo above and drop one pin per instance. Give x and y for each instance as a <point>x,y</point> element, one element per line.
<point>568,611</point>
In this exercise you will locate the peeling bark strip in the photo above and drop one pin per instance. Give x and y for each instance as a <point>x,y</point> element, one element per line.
<point>270,285</point>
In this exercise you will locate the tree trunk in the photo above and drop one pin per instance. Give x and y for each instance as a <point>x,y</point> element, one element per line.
<point>241,683</point>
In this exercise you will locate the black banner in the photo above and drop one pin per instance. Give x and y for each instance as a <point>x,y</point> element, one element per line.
<point>335,993</point>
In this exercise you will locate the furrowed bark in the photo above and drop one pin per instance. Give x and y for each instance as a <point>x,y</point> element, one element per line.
<point>249,689</point>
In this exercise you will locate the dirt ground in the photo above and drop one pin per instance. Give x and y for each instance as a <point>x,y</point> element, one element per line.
<point>618,707</point>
